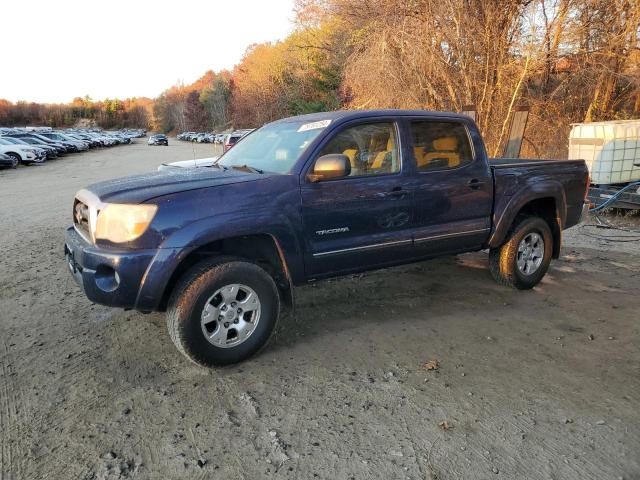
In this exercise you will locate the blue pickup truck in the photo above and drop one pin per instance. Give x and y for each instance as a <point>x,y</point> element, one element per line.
<point>306,198</point>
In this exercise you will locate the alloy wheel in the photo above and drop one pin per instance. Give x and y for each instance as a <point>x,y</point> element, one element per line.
<point>230,315</point>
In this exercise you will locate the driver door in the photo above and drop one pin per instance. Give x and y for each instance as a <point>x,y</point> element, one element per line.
<point>365,219</point>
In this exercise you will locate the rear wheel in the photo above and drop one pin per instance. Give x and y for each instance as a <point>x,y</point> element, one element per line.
<point>223,311</point>
<point>523,260</point>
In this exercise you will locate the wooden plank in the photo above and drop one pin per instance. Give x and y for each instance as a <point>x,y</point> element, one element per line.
<point>516,132</point>
<point>469,111</point>
<point>586,141</point>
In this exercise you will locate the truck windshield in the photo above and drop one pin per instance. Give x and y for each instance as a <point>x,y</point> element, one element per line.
<point>273,148</point>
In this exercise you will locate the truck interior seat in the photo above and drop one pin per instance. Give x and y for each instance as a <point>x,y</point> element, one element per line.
<point>351,153</point>
<point>378,161</point>
<point>445,151</point>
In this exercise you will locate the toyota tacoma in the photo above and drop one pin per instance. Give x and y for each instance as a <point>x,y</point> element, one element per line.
<point>307,198</point>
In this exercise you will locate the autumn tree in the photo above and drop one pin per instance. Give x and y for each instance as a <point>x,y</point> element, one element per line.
<point>568,61</point>
<point>215,99</point>
<point>194,113</point>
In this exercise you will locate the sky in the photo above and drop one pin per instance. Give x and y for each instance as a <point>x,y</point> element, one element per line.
<point>62,49</point>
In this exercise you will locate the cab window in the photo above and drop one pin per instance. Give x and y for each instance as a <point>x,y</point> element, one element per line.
<point>440,145</point>
<point>372,148</point>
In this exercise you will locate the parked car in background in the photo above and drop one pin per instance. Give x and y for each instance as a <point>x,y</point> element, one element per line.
<point>7,161</point>
<point>26,138</point>
<point>34,139</point>
<point>120,137</point>
<point>35,144</point>
<point>133,133</point>
<point>201,137</point>
<point>232,138</point>
<point>158,139</point>
<point>185,135</point>
<point>104,139</point>
<point>80,145</point>
<point>25,154</point>
<point>50,150</point>
<point>92,142</point>
<point>69,145</point>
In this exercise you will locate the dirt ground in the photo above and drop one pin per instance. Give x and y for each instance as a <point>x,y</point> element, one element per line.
<point>543,384</point>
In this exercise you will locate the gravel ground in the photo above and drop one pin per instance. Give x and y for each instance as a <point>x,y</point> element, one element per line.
<point>428,371</point>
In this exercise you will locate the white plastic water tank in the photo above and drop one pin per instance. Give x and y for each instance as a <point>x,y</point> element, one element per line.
<point>611,150</point>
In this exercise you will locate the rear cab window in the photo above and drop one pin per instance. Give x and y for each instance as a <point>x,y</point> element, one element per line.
<point>440,145</point>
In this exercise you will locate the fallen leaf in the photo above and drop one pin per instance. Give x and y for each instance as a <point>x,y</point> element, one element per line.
<point>431,365</point>
<point>444,425</point>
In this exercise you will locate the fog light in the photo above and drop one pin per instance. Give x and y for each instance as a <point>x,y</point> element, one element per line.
<point>107,279</point>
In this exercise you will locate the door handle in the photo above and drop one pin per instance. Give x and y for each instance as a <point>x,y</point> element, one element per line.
<point>396,192</point>
<point>474,184</point>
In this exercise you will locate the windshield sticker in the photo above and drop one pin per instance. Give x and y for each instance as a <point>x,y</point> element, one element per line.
<point>314,125</point>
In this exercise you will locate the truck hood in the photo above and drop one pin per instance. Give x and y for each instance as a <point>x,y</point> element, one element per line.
<point>195,163</point>
<point>140,188</point>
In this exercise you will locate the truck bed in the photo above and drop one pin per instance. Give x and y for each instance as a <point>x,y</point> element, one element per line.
<point>518,162</point>
<point>564,181</point>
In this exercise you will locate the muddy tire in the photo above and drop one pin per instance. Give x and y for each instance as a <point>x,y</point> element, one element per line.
<point>522,261</point>
<point>223,311</point>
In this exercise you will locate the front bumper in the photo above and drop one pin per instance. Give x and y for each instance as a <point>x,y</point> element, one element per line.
<point>113,278</point>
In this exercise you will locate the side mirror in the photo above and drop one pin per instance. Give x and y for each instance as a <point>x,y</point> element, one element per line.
<point>333,165</point>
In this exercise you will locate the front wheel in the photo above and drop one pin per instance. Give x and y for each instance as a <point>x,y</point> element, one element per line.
<point>523,260</point>
<point>223,311</point>
<point>16,158</point>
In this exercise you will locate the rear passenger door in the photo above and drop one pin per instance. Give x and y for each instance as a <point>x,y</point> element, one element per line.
<point>366,218</point>
<point>453,188</point>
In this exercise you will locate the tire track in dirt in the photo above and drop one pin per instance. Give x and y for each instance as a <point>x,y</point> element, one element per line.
<point>11,415</point>
<point>75,366</point>
<point>58,464</point>
<point>142,402</point>
<point>5,454</point>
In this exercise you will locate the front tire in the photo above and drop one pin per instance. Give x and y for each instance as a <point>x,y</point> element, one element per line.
<point>16,157</point>
<point>523,260</point>
<point>223,311</point>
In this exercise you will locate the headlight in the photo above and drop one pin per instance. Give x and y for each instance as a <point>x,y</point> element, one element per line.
<point>121,223</point>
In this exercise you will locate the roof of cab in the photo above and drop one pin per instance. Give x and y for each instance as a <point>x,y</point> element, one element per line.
<point>355,114</point>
